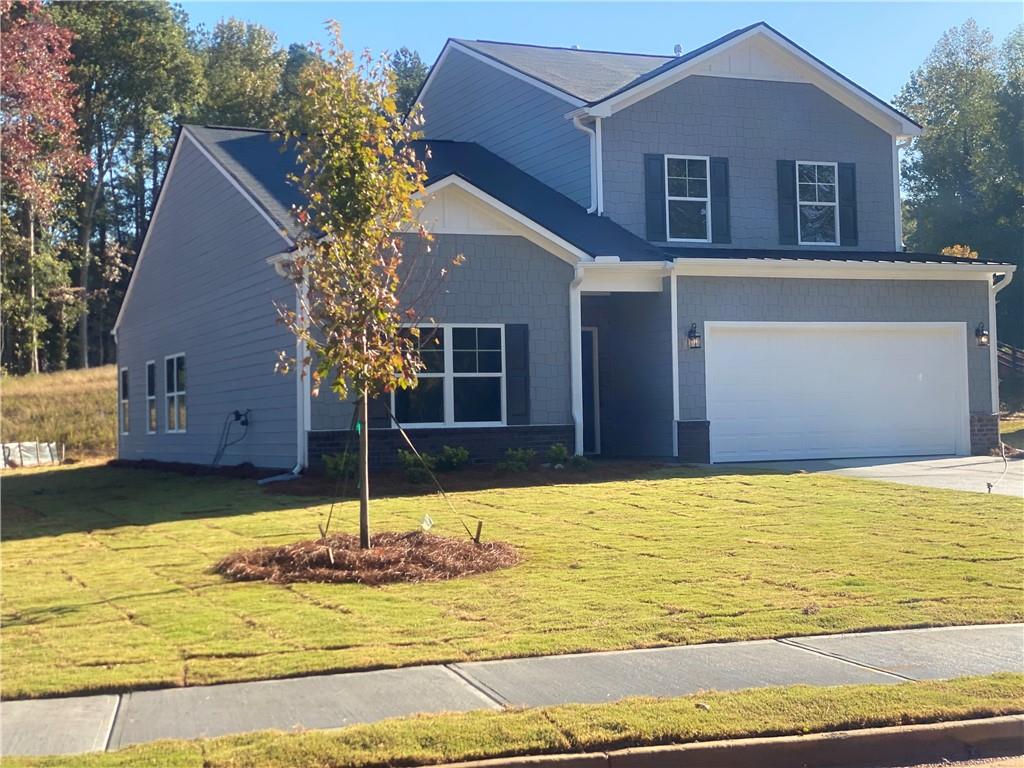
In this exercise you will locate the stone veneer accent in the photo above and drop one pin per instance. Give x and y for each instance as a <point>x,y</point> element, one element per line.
<point>694,441</point>
<point>984,433</point>
<point>486,445</point>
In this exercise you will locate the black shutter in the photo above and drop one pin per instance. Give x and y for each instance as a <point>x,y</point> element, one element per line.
<point>517,373</point>
<point>787,201</point>
<point>847,204</point>
<point>379,416</point>
<point>720,227</point>
<point>654,197</point>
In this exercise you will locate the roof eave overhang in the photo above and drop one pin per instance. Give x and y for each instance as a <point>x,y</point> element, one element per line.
<point>852,269</point>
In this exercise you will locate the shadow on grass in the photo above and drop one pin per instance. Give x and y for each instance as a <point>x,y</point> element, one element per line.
<point>96,498</point>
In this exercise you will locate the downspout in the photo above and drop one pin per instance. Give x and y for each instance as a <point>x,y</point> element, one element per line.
<point>599,154</point>
<point>993,355</point>
<point>594,178</point>
<point>576,358</point>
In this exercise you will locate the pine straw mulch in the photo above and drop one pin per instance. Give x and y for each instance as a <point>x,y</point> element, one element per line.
<point>413,556</point>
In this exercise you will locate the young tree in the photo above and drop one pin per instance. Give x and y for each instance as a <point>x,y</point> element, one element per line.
<point>409,72</point>
<point>360,177</point>
<point>40,153</point>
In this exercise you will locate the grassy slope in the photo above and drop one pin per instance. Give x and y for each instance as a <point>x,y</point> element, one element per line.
<point>1012,431</point>
<point>78,408</point>
<point>107,580</point>
<point>580,727</point>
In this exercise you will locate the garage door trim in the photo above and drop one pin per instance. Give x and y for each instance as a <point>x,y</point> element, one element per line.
<point>957,331</point>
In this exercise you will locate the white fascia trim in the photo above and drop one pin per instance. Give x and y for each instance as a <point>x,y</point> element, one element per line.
<point>452,44</point>
<point>897,123</point>
<point>846,270</point>
<point>564,247</point>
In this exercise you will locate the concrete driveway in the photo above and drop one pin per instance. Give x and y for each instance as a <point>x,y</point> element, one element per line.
<point>960,473</point>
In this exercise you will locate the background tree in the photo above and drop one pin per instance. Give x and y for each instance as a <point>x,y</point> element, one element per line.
<point>360,177</point>
<point>243,68</point>
<point>964,174</point>
<point>409,72</point>
<point>40,156</point>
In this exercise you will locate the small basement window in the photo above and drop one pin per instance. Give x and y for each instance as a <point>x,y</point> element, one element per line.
<point>176,412</point>
<point>123,397</point>
<point>151,397</point>
<point>817,204</point>
<point>687,199</point>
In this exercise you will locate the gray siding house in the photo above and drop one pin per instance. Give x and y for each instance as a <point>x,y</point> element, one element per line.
<point>697,257</point>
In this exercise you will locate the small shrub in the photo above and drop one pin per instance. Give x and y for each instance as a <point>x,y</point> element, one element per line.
<point>557,454</point>
<point>340,466</point>
<point>580,463</point>
<point>517,460</point>
<point>451,459</point>
<point>417,468</point>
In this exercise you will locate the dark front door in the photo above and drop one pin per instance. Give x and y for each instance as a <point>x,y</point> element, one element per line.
<point>591,408</point>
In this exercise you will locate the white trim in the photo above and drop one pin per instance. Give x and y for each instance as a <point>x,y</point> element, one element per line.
<point>674,333</point>
<point>599,155</point>
<point>844,270</point>
<point>619,276</point>
<point>853,96</point>
<point>449,375</point>
<point>706,199</point>
<point>124,401</point>
<point>172,164</point>
<point>563,248</point>
<point>993,351</point>
<point>592,160</point>
<point>456,45</point>
<point>963,437</point>
<point>594,351</point>
<point>576,360</point>
<point>168,394</point>
<point>303,384</point>
<point>897,198</point>
<point>153,398</point>
<point>834,204</point>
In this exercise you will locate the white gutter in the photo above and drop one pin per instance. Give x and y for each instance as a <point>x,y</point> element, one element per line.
<point>993,350</point>
<point>592,134</point>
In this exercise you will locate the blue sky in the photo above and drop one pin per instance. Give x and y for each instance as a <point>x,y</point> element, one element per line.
<point>877,44</point>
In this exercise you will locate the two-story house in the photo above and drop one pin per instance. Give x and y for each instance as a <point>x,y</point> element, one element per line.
<point>695,256</point>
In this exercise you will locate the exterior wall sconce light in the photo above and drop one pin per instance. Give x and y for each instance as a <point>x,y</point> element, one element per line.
<point>693,339</point>
<point>981,334</point>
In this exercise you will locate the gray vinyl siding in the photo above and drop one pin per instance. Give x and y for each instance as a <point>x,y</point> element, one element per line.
<point>753,123</point>
<point>503,280</point>
<point>204,288</point>
<point>634,371</point>
<point>469,100</point>
<point>704,299</point>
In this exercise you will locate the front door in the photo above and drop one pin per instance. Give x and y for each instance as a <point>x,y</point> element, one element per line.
<point>591,394</point>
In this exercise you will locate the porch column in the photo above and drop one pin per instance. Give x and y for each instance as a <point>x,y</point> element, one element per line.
<point>674,315</point>
<point>576,358</point>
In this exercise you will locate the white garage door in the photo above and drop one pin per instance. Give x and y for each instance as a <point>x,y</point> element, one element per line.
<point>834,390</point>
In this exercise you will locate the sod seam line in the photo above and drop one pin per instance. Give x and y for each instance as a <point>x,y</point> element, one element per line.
<point>794,644</point>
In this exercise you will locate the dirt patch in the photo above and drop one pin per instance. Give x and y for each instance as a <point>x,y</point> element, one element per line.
<point>414,556</point>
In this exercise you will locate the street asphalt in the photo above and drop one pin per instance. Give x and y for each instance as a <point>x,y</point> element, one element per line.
<point>93,723</point>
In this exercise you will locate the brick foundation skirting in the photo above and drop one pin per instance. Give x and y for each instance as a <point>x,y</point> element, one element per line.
<point>486,445</point>
<point>984,433</point>
<point>694,441</point>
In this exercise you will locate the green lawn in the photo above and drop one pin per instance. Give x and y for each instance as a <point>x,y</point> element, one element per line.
<point>577,728</point>
<point>1012,432</point>
<point>107,581</point>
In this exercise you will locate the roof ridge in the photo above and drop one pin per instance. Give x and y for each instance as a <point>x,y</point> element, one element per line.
<point>569,48</point>
<point>217,127</point>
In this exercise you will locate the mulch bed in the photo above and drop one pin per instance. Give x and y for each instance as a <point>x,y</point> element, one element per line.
<point>414,556</point>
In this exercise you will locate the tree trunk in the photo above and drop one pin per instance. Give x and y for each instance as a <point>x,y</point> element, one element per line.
<point>364,469</point>
<point>33,342</point>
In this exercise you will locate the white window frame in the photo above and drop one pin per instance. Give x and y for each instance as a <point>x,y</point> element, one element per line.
<point>706,200</point>
<point>151,399</point>
<point>450,375</point>
<point>175,394</point>
<point>123,401</point>
<point>835,204</point>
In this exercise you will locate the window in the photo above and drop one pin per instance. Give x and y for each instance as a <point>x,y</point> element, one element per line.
<point>463,383</point>
<point>687,199</point>
<point>150,397</point>
<point>176,413</point>
<point>817,204</point>
<point>123,388</point>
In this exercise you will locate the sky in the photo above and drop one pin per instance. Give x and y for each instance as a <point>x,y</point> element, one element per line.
<point>876,44</point>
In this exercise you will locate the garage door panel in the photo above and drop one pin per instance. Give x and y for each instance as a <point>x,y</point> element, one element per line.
<point>798,390</point>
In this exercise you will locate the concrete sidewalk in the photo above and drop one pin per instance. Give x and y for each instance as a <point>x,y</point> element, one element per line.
<point>91,723</point>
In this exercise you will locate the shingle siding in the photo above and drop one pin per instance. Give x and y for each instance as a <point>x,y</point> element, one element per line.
<point>808,300</point>
<point>503,280</point>
<point>469,100</point>
<point>204,288</point>
<point>753,123</point>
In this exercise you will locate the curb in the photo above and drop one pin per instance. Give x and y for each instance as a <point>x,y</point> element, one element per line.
<point>897,745</point>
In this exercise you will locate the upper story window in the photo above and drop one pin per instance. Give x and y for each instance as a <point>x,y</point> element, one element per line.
<point>176,412</point>
<point>122,386</point>
<point>817,203</point>
<point>687,199</point>
<point>150,397</point>
<point>463,382</point>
